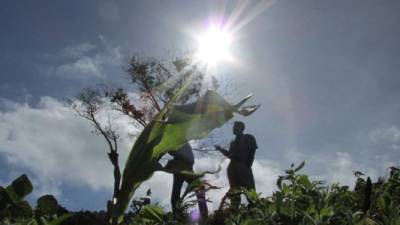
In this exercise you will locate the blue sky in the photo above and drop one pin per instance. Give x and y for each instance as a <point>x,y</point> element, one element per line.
<point>325,72</point>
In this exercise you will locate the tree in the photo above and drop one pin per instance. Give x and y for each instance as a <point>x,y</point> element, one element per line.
<point>155,82</point>
<point>168,123</point>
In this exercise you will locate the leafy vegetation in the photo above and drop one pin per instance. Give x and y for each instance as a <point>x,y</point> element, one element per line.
<point>166,126</point>
<point>156,83</point>
<point>297,200</point>
<point>14,209</point>
<point>171,129</point>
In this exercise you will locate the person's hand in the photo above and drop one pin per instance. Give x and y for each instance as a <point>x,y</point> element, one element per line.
<point>217,147</point>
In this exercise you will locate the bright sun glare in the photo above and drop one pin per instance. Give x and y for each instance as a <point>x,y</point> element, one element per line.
<point>214,46</point>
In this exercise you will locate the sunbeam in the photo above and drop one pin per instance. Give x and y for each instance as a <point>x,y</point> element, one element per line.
<point>214,45</point>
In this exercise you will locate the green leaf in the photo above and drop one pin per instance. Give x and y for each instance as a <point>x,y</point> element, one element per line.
<point>367,197</point>
<point>278,202</point>
<point>300,166</point>
<point>279,182</point>
<point>382,205</point>
<point>252,195</point>
<point>251,222</point>
<point>357,215</point>
<point>152,212</point>
<point>19,188</point>
<point>25,222</point>
<point>193,186</point>
<point>303,179</point>
<point>326,212</point>
<point>5,199</point>
<point>367,221</point>
<point>192,121</point>
<point>171,129</point>
<point>21,210</point>
<point>44,221</point>
<point>179,167</point>
<point>285,189</point>
<point>47,205</point>
<point>60,219</point>
<point>309,217</point>
<point>33,222</point>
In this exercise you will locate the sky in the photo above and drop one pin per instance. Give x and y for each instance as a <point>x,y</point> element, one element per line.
<point>325,73</point>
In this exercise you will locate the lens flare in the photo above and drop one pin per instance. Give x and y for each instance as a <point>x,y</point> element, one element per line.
<point>195,216</point>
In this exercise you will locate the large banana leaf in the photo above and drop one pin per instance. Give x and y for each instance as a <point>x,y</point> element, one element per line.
<point>172,128</point>
<point>19,188</point>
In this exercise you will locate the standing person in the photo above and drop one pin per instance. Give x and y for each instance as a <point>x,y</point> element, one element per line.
<point>185,159</point>
<point>241,154</point>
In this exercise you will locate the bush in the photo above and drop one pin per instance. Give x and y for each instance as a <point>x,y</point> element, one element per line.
<point>298,200</point>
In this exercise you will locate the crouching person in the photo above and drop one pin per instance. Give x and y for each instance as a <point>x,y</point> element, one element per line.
<point>185,159</point>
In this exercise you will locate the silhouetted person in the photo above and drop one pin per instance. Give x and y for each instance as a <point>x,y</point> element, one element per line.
<point>241,154</point>
<point>185,158</point>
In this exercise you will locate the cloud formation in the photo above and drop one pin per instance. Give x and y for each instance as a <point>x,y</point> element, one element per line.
<point>56,146</point>
<point>87,60</point>
<point>389,136</point>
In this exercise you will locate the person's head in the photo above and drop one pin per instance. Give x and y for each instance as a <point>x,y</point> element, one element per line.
<point>238,128</point>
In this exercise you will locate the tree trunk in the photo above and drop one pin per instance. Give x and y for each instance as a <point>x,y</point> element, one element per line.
<point>113,155</point>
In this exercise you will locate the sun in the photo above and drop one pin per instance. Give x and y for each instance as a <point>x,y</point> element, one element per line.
<point>214,46</point>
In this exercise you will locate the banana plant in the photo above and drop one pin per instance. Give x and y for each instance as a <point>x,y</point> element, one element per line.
<point>172,128</point>
<point>12,203</point>
<point>16,210</point>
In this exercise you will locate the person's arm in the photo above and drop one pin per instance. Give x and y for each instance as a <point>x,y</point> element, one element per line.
<point>252,149</point>
<point>251,158</point>
<point>223,151</point>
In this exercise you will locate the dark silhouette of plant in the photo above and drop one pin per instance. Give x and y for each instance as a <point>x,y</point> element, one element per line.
<point>137,204</point>
<point>301,201</point>
<point>156,82</point>
<point>88,105</point>
<point>298,200</point>
<point>16,210</point>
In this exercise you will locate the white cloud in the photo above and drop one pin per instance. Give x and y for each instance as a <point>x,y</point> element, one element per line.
<point>82,66</point>
<point>46,185</point>
<point>341,169</point>
<point>78,51</point>
<point>389,136</point>
<point>8,105</point>
<point>161,187</point>
<point>266,173</point>
<point>341,166</point>
<point>294,155</point>
<point>57,146</point>
<point>87,60</point>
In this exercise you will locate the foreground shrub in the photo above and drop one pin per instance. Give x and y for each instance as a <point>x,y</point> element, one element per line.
<point>298,200</point>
